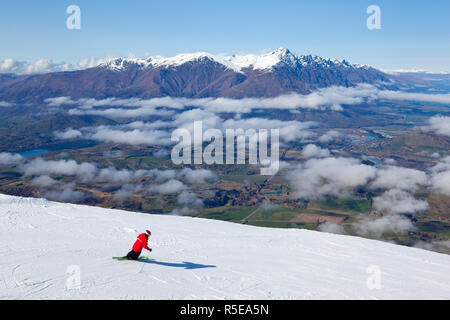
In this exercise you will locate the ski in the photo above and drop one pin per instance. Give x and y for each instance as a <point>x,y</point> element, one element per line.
<point>119,258</point>
<point>145,258</point>
<point>139,259</point>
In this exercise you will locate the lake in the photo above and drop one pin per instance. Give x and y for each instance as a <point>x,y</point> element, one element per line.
<point>32,153</point>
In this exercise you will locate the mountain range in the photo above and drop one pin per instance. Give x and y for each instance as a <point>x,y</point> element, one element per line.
<point>193,75</point>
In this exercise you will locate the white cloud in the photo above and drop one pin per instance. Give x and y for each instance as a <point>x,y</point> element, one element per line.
<point>433,245</point>
<point>331,227</point>
<point>8,159</point>
<point>120,176</point>
<point>396,201</point>
<point>289,130</point>
<point>10,65</point>
<point>59,101</point>
<point>112,154</point>
<point>330,136</point>
<point>126,191</point>
<point>268,206</point>
<point>133,137</point>
<point>313,151</point>
<point>443,165</point>
<point>366,225</point>
<point>193,176</point>
<point>198,176</point>
<point>440,182</point>
<point>85,171</point>
<point>412,96</point>
<point>43,181</point>
<point>69,133</point>
<point>159,132</point>
<point>390,161</point>
<point>122,194</point>
<point>67,193</point>
<point>39,66</point>
<point>329,176</point>
<point>162,175</point>
<point>91,62</point>
<point>4,104</point>
<point>325,98</point>
<point>439,124</point>
<point>191,204</point>
<point>440,176</point>
<point>189,199</point>
<point>400,178</point>
<point>171,186</point>
<point>184,211</point>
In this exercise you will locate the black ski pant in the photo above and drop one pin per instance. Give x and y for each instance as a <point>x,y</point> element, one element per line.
<point>132,255</point>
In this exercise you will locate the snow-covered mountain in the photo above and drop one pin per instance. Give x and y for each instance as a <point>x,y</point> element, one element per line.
<point>238,63</point>
<point>194,75</point>
<point>45,247</point>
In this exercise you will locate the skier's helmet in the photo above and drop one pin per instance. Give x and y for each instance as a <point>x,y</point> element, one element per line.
<point>148,232</point>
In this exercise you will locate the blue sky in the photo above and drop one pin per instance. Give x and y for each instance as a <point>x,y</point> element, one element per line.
<point>414,33</point>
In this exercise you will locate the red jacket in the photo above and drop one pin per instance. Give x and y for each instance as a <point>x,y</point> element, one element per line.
<point>140,243</point>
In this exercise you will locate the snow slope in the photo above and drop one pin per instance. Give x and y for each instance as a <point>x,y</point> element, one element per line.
<point>197,259</point>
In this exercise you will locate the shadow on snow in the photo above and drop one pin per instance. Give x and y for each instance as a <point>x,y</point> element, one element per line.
<point>184,264</point>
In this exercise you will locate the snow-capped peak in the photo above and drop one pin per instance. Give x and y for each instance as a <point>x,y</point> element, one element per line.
<point>264,61</point>
<point>238,63</point>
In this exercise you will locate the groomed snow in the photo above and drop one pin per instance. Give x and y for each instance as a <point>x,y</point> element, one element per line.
<point>198,259</point>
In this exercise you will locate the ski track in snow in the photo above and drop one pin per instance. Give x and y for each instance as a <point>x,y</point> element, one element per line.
<point>198,259</point>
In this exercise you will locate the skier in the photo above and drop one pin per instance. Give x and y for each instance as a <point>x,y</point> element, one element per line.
<point>141,243</point>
